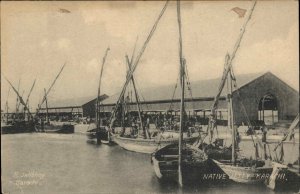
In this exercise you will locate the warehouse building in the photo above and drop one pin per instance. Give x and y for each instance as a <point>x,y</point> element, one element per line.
<point>72,108</point>
<point>259,97</point>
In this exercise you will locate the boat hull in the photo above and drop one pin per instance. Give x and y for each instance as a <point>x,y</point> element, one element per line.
<point>102,134</point>
<point>56,128</point>
<point>247,175</point>
<point>284,178</point>
<point>18,127</point>
<point>166,167</point>
<point>146,146</point>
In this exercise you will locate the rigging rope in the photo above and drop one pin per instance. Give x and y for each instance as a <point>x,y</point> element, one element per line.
<point>243,107</point>
<point>135,64</point>
<point>47,93</point>
<point>228,64</point>
<point>173,96</point>
<point>140,94</point>
<point>189,86</point>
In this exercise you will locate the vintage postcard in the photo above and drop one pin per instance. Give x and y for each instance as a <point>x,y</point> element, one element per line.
<point>149,97</point>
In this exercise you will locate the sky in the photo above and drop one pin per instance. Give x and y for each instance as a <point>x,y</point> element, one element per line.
<point>37,38</point>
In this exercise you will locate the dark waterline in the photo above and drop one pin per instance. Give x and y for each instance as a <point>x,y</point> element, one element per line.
<point>58,163</point>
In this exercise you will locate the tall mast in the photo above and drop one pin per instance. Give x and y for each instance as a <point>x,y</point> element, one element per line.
<point>6,112</point>
<point>17,101</point>
<point>228,63</point>
<point>19,96</point>
<point>136,62</point>
<point>137,98</point>
<point>231,119</point>
<point>98,95</point>
<point>30,92</point>
<point>27,100</point>
<point>7,105</point>
<point>182,68</point>
<point>46,100</point>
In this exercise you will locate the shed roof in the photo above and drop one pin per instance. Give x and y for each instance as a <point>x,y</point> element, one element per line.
<point>72,102</point>
<point>200,89</point>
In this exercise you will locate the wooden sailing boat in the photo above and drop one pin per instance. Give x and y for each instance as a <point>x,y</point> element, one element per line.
<point>23,125</point>
<point>215,148</point>
<point>146,143</point>
<point>32,124</point>
<point>44,124</point>
<point>242,170</point>
<point>100,133</point>
<point>180,162</point>
<point>49,127</point>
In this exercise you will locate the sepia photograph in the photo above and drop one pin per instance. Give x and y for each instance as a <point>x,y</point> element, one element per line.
<point>134,97</point>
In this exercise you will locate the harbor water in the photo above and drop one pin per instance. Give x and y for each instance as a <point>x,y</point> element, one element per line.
<point>68,163</point>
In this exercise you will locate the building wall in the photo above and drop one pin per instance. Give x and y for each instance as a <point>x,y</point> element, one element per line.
<point>247,102</point>
<point>89,109</point>
<point>251,94</point>
<point>62,111</point>
<point>175,105</point>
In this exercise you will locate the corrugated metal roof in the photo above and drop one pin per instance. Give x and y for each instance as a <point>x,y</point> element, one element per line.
<point>200,89</point>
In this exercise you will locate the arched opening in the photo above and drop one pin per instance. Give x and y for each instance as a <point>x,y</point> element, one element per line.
<point>268,109</point>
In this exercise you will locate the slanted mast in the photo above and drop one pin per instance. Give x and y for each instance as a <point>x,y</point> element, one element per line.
<point>129,63</point>
<point>135,64</point>
<point>227,69</point>
<point>45,96</point>
<point>47,113</point>
<point>19,97</point>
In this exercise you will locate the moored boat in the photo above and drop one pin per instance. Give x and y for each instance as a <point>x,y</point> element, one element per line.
<point>246,170</point>
<point>147,146</point>
<point>180,161</point>
<point>194,165</point>
<point>65,128</point>
<point>215,151</point>
<point>99,133</point>
<point>239,169</point>
<point>17,127</point>
<point>20,125</point>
